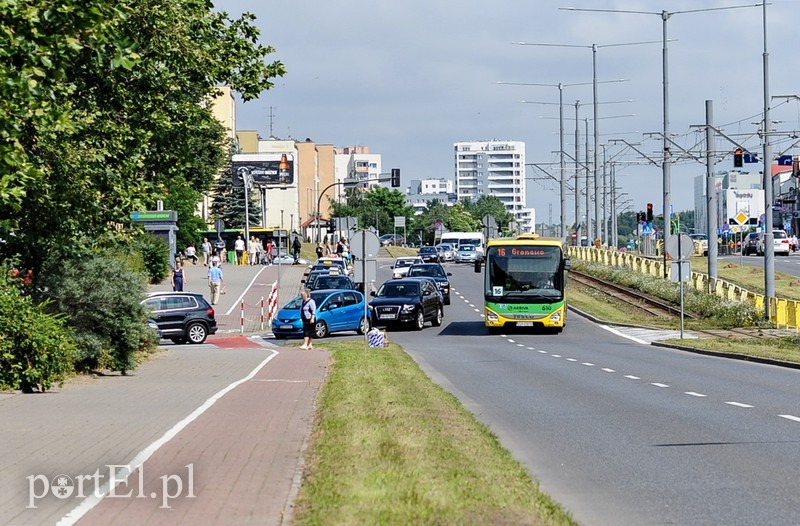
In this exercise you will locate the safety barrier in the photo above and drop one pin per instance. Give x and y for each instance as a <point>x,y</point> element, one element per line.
<point>261,314</point>
<point>784,313</point>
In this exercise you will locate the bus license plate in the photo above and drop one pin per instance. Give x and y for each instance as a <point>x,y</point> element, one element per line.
<point>524,324</point>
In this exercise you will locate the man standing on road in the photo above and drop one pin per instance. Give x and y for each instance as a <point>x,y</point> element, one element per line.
<point>215,282</point>
<point>239,247</point>
<point>219,245</point>
<point>206,248</point>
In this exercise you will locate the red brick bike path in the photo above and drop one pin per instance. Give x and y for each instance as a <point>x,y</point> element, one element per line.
<point>245,455</point>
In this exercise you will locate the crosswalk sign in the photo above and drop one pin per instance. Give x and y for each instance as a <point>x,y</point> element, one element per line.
<point>647,229</point>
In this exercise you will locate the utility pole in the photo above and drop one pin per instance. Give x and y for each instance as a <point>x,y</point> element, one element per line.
<point>711,197</point>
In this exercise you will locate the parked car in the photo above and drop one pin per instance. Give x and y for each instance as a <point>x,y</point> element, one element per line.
<point>436,272</point>
<point>329,281</point>
<point>429,254</point>
<point>750,245</point>
<point>183,317</point>
<point>702,239</point>
<point>400,267</point>
<point>337,310</point>
<point>407,301</point>
<point>466,254</point>
<point>780,243</point>
<point>447,251</point>
<point>391,239</point>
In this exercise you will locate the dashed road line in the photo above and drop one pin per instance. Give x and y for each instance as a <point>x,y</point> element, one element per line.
<point>556,356</point>
<point>659,385</point>
<point>631,377</point>
<point>588,364</point>
<point>530,348</point>
<point>608,370</point>
<point>739,404</point>
<point>510,340</point>
<point>696,395</point>
<point>477,310</point>
<point>520,345</point>
<point>542,352</point>
<point>571,360</point>
<point>791,417</point>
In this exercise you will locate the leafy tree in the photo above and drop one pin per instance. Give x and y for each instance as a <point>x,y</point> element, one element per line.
<point>458,220</point>
<point>488,204</point>
<point>228,204</point>
<point>423,225</point>
<point>376,207</point>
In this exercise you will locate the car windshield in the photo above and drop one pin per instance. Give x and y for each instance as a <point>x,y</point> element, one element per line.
<point>398,290</point>
<point>427,250</point>
<point>434,271</point>
<point>445,246</point>
<point>467,248</point>
<point>297,301</point>
<point>332,282</point>
<point>402,263</point>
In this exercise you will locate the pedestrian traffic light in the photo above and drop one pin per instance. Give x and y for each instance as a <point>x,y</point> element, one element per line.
<point>737,158</point>
<point>649,216</point>
<point>331,226</point>
<point>395,177</point>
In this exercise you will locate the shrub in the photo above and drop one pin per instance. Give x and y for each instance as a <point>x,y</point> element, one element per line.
<point>100,298</point>
<point>155,256</point>
<point>36,349</point>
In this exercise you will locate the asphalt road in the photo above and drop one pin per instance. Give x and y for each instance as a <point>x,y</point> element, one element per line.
<point>789,265</point>
<point>620,432</point>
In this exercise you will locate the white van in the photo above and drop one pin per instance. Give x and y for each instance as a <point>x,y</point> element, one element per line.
<point>456,239</point>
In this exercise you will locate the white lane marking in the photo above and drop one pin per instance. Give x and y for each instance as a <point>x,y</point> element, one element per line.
<point>483,315</point>
<point>510,340</point>
<point>556,356</point>
<point>571,360</point>
<point>692,393</point>
<point>477,310</point>
<point>738,404</point>
<point>141,457</point>
<point>530,348</point>
<point>238,303</point>
<point>542,352</point>
<point>608,370</point>
<point>631,377</point>
<point>791,417</point>
<point>472,305</point>
<point>588,364</point>
<point>632,338</point>
<point>659,385</point>
<point>520,345</point>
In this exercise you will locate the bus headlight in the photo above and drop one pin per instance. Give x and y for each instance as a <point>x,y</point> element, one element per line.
<point>556,317</point>
<point>491,316</point>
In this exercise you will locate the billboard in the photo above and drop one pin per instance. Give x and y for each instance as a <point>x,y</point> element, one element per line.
<point>265,169</point>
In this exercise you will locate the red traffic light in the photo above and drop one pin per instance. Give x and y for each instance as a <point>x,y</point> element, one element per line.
<point>649,213</point>
<point>737,158</point>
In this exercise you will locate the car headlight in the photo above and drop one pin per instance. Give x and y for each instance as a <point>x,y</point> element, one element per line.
<point>408,308</point>
<point>555,317</point>
<point>491,316</point>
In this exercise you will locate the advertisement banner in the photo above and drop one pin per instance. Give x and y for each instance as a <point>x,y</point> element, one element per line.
<point>264,169</point>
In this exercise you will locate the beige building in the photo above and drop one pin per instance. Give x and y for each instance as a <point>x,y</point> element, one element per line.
<point>223,108</point>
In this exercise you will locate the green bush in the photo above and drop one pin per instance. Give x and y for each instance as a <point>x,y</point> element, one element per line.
<point>36,349</point>
<point>154,254</point>
<point>100,298</point>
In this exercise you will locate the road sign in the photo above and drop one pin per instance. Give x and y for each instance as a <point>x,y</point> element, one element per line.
<point>741,218</point>
<point>364,245</point>
<point>680,246</point>
<point>647,229</point>
<point>680,271</point>
<point>220,225</point>
<point>399,221</point>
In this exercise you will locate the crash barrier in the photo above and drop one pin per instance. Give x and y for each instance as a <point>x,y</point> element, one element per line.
<point>256,317</point>
<point>784,313</point>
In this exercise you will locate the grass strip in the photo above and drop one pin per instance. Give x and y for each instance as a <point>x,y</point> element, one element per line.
<point>782,349</point>
<point>391,447</point>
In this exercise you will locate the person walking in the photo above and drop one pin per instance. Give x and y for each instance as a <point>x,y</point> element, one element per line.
<point>269,252</point>
<point>220,247</point>
<point>215,282</point>
<point>178,278</point>
<point>308,313</point>
<point>252,250</point>
<point>206,248</point>
<point>239,248</point>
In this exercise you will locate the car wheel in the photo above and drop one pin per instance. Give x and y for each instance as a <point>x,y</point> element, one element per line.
<point>419,320</point>
<point>320,329</point>
<point>437,321</point>
<point>179,340</point>
<point>363,326</point>
<point>196,333</point>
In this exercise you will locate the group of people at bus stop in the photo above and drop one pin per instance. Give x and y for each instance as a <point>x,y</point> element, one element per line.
<point>251,252</point>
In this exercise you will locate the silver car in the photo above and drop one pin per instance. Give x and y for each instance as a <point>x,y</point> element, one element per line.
<point>466,254</point>
<point>446,251</point>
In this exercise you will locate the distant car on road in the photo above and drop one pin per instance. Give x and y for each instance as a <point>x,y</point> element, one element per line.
<point>183,317</point>
<point>780,243</point>
<point>436,272</point>
<point>391,239</point>
<point>750,245</point>
<point>466,254</point>
<point>337,310</point>
<point>703,240</point>
<point>329,281</point>
<point>447,251</point>
<point>400,267</point>
<point>407,301</point>
<point>429,254</point>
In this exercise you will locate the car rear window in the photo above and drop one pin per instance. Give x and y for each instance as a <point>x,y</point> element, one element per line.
<point>779,234</point>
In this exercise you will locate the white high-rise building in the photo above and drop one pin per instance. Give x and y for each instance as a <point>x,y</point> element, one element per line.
<point>494,168</point>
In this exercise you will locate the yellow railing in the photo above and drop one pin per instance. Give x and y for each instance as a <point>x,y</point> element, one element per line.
<point>785,313</point>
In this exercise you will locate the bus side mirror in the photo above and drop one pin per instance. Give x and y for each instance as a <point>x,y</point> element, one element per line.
<point>567,264</point>
<point>478,266</point>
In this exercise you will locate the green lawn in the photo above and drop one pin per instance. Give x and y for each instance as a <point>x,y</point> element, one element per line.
<point>390,447</point>
<point>751,278</point>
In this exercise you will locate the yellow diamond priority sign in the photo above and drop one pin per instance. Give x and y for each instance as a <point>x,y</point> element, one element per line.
<point>741,218</point>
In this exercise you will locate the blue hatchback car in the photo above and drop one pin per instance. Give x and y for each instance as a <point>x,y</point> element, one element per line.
<point>337,310</point>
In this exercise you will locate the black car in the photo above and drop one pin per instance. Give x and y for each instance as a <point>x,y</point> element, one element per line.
<point>182,316</point>
<point>437,273</point>
<point>329,281</point>
<point>429,254</point>
<point>407,301</point>
<point>750,245</point>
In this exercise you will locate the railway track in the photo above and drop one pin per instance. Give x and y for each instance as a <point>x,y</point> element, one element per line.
<point>648,304</point>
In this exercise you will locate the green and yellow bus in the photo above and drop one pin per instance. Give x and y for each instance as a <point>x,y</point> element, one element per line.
<point>524,283</point>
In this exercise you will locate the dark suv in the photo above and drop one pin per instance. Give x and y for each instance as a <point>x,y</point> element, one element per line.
<point>429,254</point>
<point>407,300</point>
<point>182,316</point>
<point>436,272</point>
<point>750,245</point>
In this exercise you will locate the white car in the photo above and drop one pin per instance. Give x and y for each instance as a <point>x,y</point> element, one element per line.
<point>446,250</point>
<point>401,266</point>
<point>702,239</point>
<point>780,243</point>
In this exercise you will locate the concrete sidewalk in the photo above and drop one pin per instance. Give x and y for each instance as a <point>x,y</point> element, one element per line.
<point>244,448</point>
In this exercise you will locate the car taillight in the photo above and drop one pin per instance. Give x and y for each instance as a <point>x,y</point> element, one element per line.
<point>210,312</point>
<point>785,241</point>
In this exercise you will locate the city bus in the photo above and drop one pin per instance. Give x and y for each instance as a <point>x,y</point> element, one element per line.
<point>524,283</point>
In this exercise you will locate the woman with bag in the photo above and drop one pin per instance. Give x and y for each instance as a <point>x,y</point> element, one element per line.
<point>308,313</point>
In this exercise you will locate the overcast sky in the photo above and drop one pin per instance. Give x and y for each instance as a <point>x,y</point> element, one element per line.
<point>409,78</point>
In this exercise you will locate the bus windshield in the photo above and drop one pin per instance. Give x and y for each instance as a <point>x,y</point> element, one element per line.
<point>519,271</point>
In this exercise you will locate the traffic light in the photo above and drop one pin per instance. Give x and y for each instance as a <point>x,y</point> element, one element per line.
<point>640,217</point>
<point>331,226</point>
<point>395,177</point>
<point>737,158</point>
<point>649,215</point>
